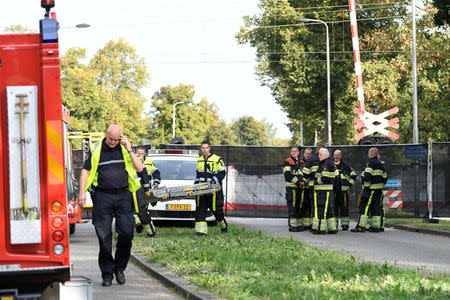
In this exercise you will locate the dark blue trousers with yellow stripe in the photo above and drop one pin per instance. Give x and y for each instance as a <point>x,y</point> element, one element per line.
<point>371,205</point>
<point>215,204</point>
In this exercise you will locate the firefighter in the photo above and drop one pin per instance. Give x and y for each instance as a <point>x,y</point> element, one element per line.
<point>210,168</point>
<point>294,186</point>
<point>111,171</point>
<point>309,171</point>
<point>374,178</point>
<point>142,218</point>
<point>342,184</point>
<point>306,194</point>
<point>323,218</point>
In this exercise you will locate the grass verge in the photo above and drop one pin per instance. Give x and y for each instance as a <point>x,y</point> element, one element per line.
<point>247,265</point>
<point>442,225</point>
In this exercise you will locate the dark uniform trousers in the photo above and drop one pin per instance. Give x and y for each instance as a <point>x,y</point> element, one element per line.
<point>214,205</point>
<point>305,207</point>
<point>341,207</point>
<point>293,199</point>
<point>142,212</point>
<point>371,204</point>
<point>106,207</point>
<point>323,218</point>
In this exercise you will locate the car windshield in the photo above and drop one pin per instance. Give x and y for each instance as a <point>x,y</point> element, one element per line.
<point>176,169</point>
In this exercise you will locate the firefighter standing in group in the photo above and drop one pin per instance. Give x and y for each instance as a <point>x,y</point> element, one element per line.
<point>294,186</point>
<point>306,195</point>
<point>323,217</point>
<point>374,178</point>
<point>309,171</point>
<point>143,220</point>
<point>342,184</point>
<point>210,168</point>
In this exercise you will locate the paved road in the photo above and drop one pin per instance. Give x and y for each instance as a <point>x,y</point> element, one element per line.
<point>84,254</point>
<point>405,249</point>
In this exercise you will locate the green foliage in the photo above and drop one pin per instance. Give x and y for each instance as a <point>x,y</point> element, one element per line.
<point>249,131</point>
<point>270,130</point>
<point>107,90</point>
<point>248,265</point>
<point>442,16</point>
<point>292,63</point>
<point>192,123</point>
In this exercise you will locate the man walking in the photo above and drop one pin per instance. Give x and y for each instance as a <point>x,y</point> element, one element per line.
<point>210,168</point>
<point>374,178</point>
<point>111,170</point>
<point>342,184</point>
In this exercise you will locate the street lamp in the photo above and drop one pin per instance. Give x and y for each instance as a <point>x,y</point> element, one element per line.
<point>173,116</point>
<point>302,20</point>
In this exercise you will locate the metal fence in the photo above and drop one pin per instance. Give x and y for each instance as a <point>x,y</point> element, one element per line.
<point>439,181</point>
<point>254,185</point>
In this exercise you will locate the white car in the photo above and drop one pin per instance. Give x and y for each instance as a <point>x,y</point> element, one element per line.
<point>177,168</point>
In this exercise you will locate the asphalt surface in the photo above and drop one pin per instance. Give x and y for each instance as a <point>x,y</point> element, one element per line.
<point>405,249</point>
<point>139,285</point>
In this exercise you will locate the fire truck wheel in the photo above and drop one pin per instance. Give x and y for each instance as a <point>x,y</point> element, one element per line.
<point>72,228</point>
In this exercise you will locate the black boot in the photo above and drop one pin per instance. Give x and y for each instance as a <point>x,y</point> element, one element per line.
<point>358,229</point>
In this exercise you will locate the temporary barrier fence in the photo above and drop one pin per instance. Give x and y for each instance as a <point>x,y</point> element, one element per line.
<point>254,185</point>
<point>419,179</point>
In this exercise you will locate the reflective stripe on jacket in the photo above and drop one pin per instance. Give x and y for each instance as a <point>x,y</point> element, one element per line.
<point>292,172</point>
<point>211,167</point>
<point>374,176</point>
<point>133,179</point>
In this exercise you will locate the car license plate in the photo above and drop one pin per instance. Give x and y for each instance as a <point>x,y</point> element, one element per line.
<point>178,206</point>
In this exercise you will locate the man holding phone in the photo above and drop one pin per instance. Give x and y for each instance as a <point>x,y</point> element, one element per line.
<point>111,170</point>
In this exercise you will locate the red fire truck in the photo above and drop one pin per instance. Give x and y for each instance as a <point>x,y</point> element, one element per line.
<point>34,238</point>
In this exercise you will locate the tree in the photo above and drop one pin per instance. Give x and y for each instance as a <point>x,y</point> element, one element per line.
<point>270,130</point>
<point>249,131</point>
<point>442,16</point>
<point>292,58</point>
<point>89,106</point>
<point>107,90</point>
<point>388,80</point>
<point>192,123</point>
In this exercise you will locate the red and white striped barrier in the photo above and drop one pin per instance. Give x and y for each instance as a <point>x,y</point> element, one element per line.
<point>395,204</point>
<point>393,194</point>
<point>366,120</point>
<point>355,42</point>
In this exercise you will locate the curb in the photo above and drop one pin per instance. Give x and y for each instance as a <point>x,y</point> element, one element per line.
<point>171,280</point>
<point>445,233</point>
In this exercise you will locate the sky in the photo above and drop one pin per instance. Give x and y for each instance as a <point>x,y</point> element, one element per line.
<point>189,42</point>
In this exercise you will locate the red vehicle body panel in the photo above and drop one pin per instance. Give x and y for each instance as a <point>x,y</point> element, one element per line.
<point>25,61</point>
